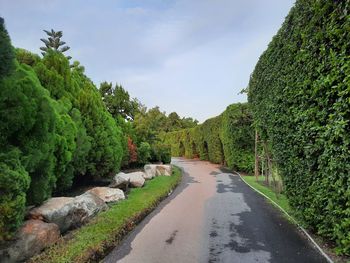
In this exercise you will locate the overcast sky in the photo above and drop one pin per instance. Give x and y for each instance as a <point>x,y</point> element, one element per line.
<point>188,56</point>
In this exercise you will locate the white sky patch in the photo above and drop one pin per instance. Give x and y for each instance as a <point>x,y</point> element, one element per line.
<point>188,56</point>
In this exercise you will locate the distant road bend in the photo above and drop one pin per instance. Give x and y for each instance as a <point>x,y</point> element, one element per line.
<point>214,217</point>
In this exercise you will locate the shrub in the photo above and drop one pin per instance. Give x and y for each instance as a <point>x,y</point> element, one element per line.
<point>14,181</point>
<point>27,118</point>
<point>161,153</point>
<point>26,57</point>
<point>143,153</point>
<point>132,151</point>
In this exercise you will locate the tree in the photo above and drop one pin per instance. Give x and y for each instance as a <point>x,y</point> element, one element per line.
<point>188,122</point>
<point>118,101</point>
<point>53,42</point>
<point>148,124</point>
<point>6,51</point>
<point>104,158</point>
<point>173,122</point>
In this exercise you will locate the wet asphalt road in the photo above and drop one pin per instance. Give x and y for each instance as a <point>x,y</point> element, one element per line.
<point>214,217</point>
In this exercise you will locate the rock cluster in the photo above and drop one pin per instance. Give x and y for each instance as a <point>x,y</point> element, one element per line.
<point>57,215</point>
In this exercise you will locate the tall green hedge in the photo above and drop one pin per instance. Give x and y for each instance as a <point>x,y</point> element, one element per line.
<point>225,139</point>
<point>300,96</point>
<point>237,136</point>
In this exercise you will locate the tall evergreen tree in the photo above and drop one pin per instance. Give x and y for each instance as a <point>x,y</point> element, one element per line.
<point>6,51</point>
<point>54,42</point>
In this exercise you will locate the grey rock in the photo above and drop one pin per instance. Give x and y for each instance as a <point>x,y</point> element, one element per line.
<point>31,239</point>
<point>108,194</point>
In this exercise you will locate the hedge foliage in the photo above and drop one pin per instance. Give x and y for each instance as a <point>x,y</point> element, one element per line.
<point>300,96</point>
<point>225,139</point>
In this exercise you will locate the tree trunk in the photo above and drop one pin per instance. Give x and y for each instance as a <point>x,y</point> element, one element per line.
<point>256,156</point>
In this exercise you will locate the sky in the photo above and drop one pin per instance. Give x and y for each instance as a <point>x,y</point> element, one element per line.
<point>188,56</point>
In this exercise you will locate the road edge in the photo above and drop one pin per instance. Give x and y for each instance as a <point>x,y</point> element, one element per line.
<point>291,218</point>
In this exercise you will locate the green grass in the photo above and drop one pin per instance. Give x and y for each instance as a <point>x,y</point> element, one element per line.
<point>280,199</point>
<point>92,241</point>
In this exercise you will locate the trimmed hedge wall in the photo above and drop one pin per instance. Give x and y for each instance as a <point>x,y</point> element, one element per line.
<point>300,96</point>
<point>225,139</point>
<point>237,136</point>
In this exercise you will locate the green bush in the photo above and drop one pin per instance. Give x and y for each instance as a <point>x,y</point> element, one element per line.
<point>161,153</point>
<point>143,153</point>
<point>26,57</point>
<point>14,181</point>
<point>27,121</point>
<point>105,156</point>
<point>299,93</point>
<point>82,112</point>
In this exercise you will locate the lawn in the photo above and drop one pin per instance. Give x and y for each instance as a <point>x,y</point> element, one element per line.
<point>280,199</point>
<point>92,241</point>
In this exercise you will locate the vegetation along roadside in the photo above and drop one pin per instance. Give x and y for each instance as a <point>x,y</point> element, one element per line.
<point>92,241</point>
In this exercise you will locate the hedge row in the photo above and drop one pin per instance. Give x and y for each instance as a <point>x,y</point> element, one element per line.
<point>225,139</point>
<point>300,96</point>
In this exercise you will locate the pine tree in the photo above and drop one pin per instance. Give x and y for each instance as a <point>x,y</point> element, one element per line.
<point>53,42</point>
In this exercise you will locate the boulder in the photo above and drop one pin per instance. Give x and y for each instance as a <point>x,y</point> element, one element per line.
<point>120,181</point>
<point>150,171</point>
<point>163,169</point>
<point>108,194</point>
<point>136,178</point>
<point>83,208</point>
<point>30,239</point>
<point>69,213</point>
<point>51,209</point>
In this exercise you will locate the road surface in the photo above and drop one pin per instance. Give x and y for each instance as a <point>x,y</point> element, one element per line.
<point>214,217</point>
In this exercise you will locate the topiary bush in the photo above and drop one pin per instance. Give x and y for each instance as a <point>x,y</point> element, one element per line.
<point>300,98</point>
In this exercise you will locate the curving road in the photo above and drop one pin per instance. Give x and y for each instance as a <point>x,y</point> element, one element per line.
<point>214,217</point>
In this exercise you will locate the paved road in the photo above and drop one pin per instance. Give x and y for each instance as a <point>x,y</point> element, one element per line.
<point>214,217</point>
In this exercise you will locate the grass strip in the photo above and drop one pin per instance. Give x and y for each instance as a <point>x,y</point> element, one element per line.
<point>94,240</point>
<point>280,199</point>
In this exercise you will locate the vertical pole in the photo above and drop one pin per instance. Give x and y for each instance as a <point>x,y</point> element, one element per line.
<point>256,156</point>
